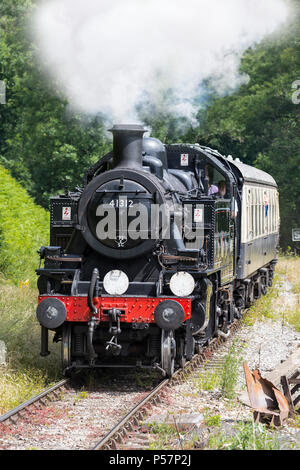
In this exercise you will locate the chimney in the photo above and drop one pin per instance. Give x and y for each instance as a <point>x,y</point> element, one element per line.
<point>127,145</point>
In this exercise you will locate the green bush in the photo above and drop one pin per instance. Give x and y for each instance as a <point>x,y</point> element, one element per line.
<point>24,227</point>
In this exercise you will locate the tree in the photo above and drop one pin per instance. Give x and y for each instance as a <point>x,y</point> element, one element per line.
<point>260,123</point>
<point>43,145</point>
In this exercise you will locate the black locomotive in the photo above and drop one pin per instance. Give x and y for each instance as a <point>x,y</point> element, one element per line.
<point>158,252</point>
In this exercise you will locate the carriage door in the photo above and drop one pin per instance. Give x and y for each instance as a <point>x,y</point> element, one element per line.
<point>224,240</point>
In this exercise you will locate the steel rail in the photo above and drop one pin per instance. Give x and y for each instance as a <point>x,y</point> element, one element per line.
<point>48,391</point>
<point>118,427</point>
<point>120,431</point>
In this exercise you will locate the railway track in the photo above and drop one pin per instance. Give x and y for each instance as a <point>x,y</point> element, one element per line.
<point>40,399</point>
<point>129,425</point>
<point>127,428</point>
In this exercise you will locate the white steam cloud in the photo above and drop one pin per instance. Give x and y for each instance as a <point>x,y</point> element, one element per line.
<point>111,56</point>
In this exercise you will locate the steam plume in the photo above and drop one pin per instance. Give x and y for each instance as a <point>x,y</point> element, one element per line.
<point>111,55</point>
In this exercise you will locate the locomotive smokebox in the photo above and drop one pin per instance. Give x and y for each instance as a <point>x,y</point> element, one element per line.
<point>127,145</point>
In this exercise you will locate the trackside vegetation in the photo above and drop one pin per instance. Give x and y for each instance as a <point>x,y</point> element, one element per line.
<point>25,372</point>
<point>24,227</point>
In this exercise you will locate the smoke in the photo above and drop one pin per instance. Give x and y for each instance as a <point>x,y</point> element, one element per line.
<point>112,56</point>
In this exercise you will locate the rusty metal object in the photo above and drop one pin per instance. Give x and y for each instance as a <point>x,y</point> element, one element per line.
<point>269,404</point>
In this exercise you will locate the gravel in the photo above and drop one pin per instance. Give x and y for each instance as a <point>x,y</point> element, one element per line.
<point>268,343</point>
<point>78,421</point>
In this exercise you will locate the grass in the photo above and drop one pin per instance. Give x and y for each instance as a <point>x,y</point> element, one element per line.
<point>224,380</point>
<point>164,434</point>
<point>24,227</point>
<point>289,266</point>
<point>230,370</point>
<point>295,421</point>
<point>247,436</point>
<point>277,304</point>
<point>211,420</point>
<point>26,372</point>
<point>264,307</point>
<point>289,269</point>
<point>207,380</point>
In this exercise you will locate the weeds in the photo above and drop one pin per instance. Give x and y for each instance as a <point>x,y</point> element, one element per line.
<point>296,421</point>
<point>278,303</point>
<point>164,434</point>
<point>225,380</point>
<point>26,373</point>
<point>247,436</point>
<point>289,268</point>
<point>207,380</point>
<point>211,420</point>
<point>263,308</point>
<point>80,396</point>
<point>230,370</point>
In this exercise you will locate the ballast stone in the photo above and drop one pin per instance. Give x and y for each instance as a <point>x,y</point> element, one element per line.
<point>183,422</point>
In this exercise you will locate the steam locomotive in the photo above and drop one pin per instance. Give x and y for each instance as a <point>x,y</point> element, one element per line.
<point>159,251</point>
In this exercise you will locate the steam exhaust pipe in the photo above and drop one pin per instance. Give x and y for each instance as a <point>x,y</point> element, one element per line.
<point>128,146</point>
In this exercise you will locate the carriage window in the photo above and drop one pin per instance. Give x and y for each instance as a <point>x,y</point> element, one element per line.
<point>266,212</point>
<point>275,218</point>
<point>249,215</point>
<point>277,211</point>
<point>254,212</point>
<point>271,212</point>
<point>259,211</point>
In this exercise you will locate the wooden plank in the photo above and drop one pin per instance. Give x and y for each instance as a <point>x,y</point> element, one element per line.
<point>295,389</point>
<point>295,375</point>
<point>296,401</point>
<point>287,393</point>
<point>286,368</point>
<point>294,381</point>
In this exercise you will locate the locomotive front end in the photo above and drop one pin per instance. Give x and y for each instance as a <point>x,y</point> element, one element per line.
<point>113,299</point>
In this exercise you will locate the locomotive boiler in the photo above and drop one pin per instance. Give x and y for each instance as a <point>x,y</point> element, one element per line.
<point>159,251</point>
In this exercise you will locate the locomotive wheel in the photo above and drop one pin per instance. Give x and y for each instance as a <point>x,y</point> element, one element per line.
<point>66,347</point>
<point>168,352</point>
